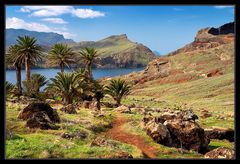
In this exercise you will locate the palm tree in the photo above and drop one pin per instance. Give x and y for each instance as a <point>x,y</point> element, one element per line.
<point>65,84</point>
<point>117,89</point>
<point>13,59</point>
<point>61,55</point>
<point>9,87</point>
<point>29,51</point>
<point>98,93</point>
<point>33,86</point>
<point>87,56</point>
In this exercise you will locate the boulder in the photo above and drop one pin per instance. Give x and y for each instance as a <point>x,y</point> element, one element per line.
<point>99,142</point>
<point>123,109</point>
<point>86,104</point>
<point>158,132</point>
<point>205,114</point>
<point>188,135</point>
<point>220,134</point>
<point>221,152</point>
<point>41,120</point>
<point>177,129</point>
<point>95,105</point>
<point>70,109</point>
<point>78,134</point>
<point>33,108</point>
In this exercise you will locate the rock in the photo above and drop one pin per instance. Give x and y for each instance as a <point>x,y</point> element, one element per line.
<point>99,142</point>
<point>205,114</point>
<point>119,155</point>
<point>187,134</point>
<point>86,104</point>
<point>138,110</point>
<point>214,73</point>
<point>221,152</point>
<point>70,109</point>
<point>33,108</point>
<point>95,105</point>
<point>78,134</point>
<point>123,109</point>
<point>188,115</point>
<point>220,134</point>
<point>123,155</point>
<point>50,101</point>
<point>108,105</point>
<point>41,120</point>
<point>158,132</point>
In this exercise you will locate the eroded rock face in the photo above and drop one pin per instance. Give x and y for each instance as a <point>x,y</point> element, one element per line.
<point>177,129</point>
<point>33,108</point>
<point>220,134</point>
<point>187,134</point>
<point>158,133</point>
<point>221,153</point>
<point>70,109</point>
<point>41,120</point>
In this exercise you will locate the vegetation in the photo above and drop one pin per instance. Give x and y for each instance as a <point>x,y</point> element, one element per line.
<point>29,51</point>
<point>32,87</point>
<point>9,87</point>
<point>88,56</point>
<point>12,59</point>
<point>66,85</point>
<point>61,55</point>
<point>118,89</point>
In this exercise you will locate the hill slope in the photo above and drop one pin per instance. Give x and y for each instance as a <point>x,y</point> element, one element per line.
<point>43,38</point>
<point>118,51</point>
<point>199,75</point>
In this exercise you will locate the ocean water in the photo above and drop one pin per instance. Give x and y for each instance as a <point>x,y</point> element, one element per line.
<point>10,75</point>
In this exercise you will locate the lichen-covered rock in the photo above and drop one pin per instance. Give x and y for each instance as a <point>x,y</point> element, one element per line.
<point>187,134</point>
<point>177,129</point>
<point>205,114</point>
<point>221,152</point>
<point>220,134</point>
<point>158,132</point>
<point>70,109</point>
<point>41,120</point>
<point>33,108</point>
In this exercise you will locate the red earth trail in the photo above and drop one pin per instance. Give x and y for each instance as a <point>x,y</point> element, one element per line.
<point>117,133</point>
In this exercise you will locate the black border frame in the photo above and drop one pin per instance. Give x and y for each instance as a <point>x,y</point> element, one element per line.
<point>117,2</point>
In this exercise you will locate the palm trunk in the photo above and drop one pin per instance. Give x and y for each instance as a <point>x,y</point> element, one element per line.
<point>118,102</point>
<point>18,77</point>
<point>67,100</point>
<point>62,67</point>
<point>88,71</point>
<point>27,68</point>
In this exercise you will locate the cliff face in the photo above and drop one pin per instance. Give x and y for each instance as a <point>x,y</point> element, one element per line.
<point>208,55</point>
<point>118,51</point>
<point>209,38</point>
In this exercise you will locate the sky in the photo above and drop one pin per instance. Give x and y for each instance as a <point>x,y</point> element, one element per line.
<point>161,28</point>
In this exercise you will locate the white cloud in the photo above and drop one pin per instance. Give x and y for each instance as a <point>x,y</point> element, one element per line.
<point>17,23</point>
<point>87,13</point>
<point>54,20</point>
<point>21,24</point>
<point>222,7</point>
<point>177,9</point>
<point>24,10</point>
<point>47,11</point>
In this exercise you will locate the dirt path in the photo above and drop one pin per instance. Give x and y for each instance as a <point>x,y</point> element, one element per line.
<point>118,134</point>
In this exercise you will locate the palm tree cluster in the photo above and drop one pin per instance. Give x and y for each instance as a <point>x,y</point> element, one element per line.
<point>74,86</point>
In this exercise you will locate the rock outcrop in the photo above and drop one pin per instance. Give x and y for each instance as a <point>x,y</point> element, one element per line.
<point>220,134</point>
<point>70,109</point>
<point>220,152</point>
<point>177,129</point>
<point>40,115</point>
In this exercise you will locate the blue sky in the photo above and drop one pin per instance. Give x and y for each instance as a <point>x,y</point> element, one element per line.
<point>161,28</point>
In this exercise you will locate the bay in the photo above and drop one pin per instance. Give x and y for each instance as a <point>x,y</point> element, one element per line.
<point>10,75</point>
